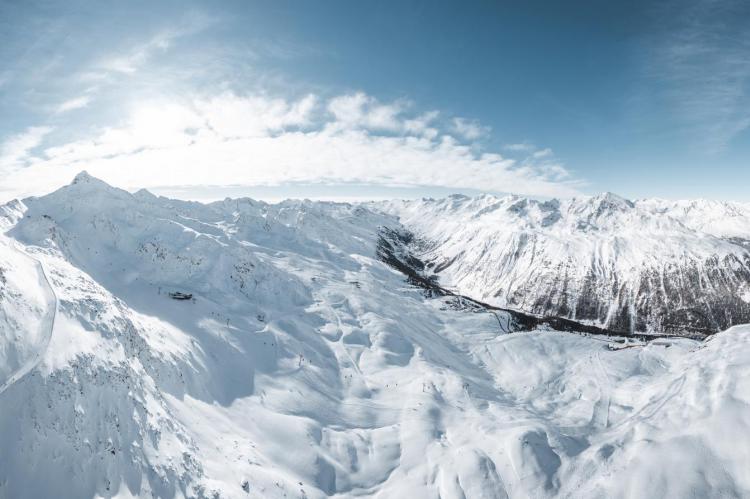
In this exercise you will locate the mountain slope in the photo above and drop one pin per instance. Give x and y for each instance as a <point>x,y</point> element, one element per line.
<point>27,312</point>
<point>645,266</point>
<point>306,367</point>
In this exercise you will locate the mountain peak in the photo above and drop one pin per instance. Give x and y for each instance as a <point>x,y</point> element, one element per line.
<point>82,189</point>
<point>145,195</point>
<point>608,202</point>
<point>611,197</point>
<point>83,177</point>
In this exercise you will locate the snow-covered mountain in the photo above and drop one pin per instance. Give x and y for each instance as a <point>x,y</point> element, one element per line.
<point>303,366</point>
<point>651,265</point>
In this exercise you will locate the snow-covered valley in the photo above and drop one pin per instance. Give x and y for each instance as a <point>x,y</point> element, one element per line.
<point>304,366</point>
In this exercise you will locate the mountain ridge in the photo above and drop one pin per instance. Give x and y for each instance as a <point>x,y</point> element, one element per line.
<point>622,264</point>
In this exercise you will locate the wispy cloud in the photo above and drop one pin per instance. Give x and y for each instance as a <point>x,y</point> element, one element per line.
<point>18,147</point>
<point>542,153</point>
<point>16,151</point>
<point>703,62</point>
<point>228,139</point>
<point>520,147</point>
<point>542,160</point>
<point>72,104</point>
<point>137,56</point>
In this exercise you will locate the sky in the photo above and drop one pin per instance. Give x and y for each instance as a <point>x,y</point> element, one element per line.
<point>350,100</point>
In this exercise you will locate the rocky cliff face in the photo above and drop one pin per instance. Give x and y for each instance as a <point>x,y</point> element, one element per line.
<point>643,266</point>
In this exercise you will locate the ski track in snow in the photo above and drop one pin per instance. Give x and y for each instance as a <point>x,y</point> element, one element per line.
<point>47,325</point>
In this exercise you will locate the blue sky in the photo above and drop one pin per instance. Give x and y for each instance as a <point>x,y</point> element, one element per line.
<point>353,99</point>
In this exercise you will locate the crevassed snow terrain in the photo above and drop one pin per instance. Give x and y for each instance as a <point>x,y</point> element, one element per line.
<point>647,266</point>
<point>305,367</point>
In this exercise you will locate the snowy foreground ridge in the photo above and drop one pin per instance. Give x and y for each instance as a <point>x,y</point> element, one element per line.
<point>304,366</point>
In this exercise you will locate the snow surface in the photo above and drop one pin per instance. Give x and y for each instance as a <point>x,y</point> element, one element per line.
<point>307,368</point>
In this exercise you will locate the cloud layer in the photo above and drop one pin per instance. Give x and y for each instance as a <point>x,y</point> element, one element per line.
<point>259,140</point>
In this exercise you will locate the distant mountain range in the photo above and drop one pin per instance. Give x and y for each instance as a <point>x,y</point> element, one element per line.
<point>680,267</point>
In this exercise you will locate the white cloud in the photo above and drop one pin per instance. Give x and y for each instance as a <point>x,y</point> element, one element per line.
<point>521,147</point>
<point>469,129</point>
<point>363,111</point>
<point>15,152</point>
<point>542,153</point>
<point>423,125</point>
<point>75,103</point>
<point>554,171</point>
<point>232,116</point>
<point>257,140</point>
<point>541,160</point>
